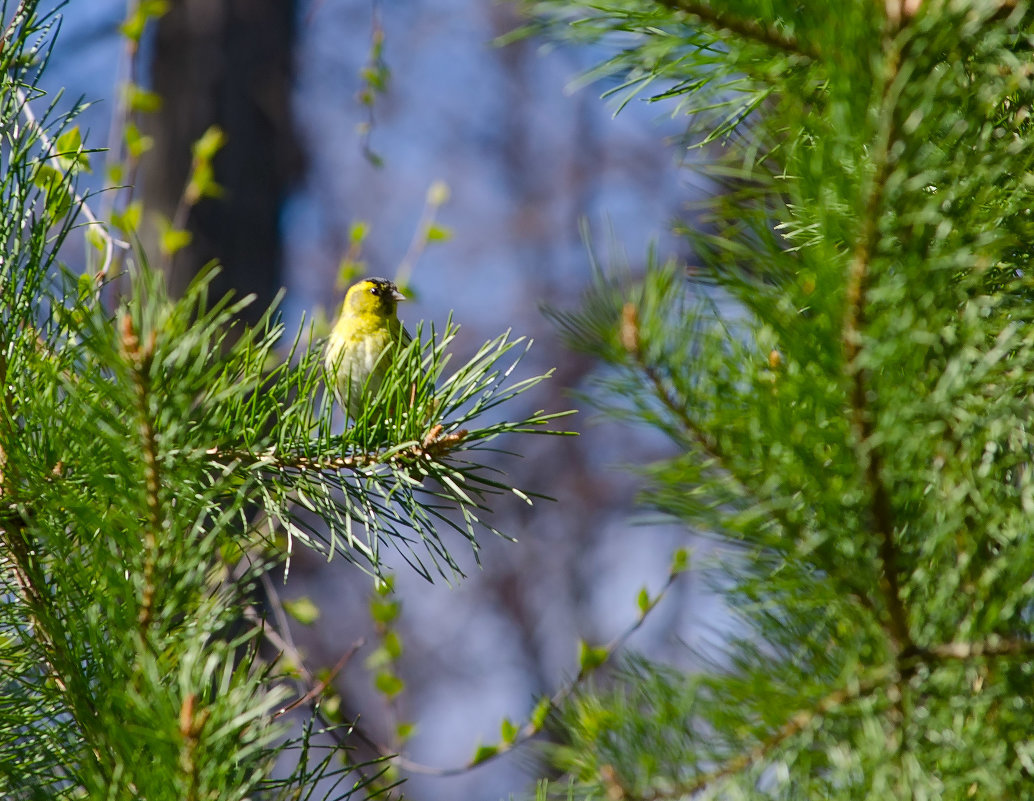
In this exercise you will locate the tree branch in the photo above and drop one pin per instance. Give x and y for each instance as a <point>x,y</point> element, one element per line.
<point>139,358</point>
<point>434,445</point>
<point>801,720</point>
<point>749,29</point>
<point>795,725</point>
<point>862,421</point>
<point>532,727</point>
<point>964,651</point>
<point>629,337</point>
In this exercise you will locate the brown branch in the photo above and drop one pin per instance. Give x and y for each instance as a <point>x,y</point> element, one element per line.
<point>434,445</point>
<point>291,461</point>
<point>320,686</point>
<point>862,421</point>
<point>7,412</point>
<point>22,559</point>
<point>745,28</point>
<point>287,647</point>
<point>23,562</point>
<point>139,359</point>
<point>62,665</point>
<point>630,340</point>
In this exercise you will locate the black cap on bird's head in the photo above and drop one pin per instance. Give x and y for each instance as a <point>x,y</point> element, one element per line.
<point>382,287</point>
<point>373,296</point>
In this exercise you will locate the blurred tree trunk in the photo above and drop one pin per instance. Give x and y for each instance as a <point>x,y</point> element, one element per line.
<point>226,63</point>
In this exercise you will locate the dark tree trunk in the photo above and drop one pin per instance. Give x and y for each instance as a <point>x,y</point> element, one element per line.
<point>227,63</point>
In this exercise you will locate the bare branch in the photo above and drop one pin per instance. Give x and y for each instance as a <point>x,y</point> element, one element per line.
<point>110,242</point>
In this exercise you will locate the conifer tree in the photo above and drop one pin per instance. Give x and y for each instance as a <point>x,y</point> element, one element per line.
<point>846,371</point>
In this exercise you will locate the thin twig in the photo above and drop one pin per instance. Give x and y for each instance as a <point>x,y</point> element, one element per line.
<point>110,242</point>
<point>421,235</point>
<point>320,687</point>
<point>315,688</point>
<point>530,729</point>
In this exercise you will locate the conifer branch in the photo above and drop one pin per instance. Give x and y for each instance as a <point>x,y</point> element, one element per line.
<point>61,664</point>
<point>139,359</point>
<point>749,29</point>
<point>862,421</point>
<point>797,723</point>
<point>630,340</point>
<point>23,565</point>
<point>19,17</point>
<point>435,445</point>
<point>803,719</point>
<point>5,420</point>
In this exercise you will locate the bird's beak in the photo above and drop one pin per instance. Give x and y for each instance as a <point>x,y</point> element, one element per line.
<point>397,295</point>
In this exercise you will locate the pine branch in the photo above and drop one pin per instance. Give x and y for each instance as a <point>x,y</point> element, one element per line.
<point>435,446</point>
<point>868,455</point>
<point>629,335</point>
<point>28,574</point>
<point>630,340</point>
<point>877,680</point>
<point>749,29</point>
<point>30,580</point>
<point>795,725</point>
<point>139,359</point>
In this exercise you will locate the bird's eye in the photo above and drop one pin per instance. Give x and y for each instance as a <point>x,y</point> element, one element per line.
<point>373,290</point>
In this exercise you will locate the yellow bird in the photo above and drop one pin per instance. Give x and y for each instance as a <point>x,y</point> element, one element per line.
<point>366,327</point>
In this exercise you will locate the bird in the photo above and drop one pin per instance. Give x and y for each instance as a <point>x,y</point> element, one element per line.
<point>366,327</point>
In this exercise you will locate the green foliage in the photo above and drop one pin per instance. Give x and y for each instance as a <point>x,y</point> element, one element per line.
<point>484,753</point>
<point>590,657</point>
<point>846,372</point>
<point>302,609</point>
<point>141,12</point>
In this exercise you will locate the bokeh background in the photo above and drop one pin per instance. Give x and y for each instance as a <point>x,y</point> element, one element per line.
<point>528,155</point>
